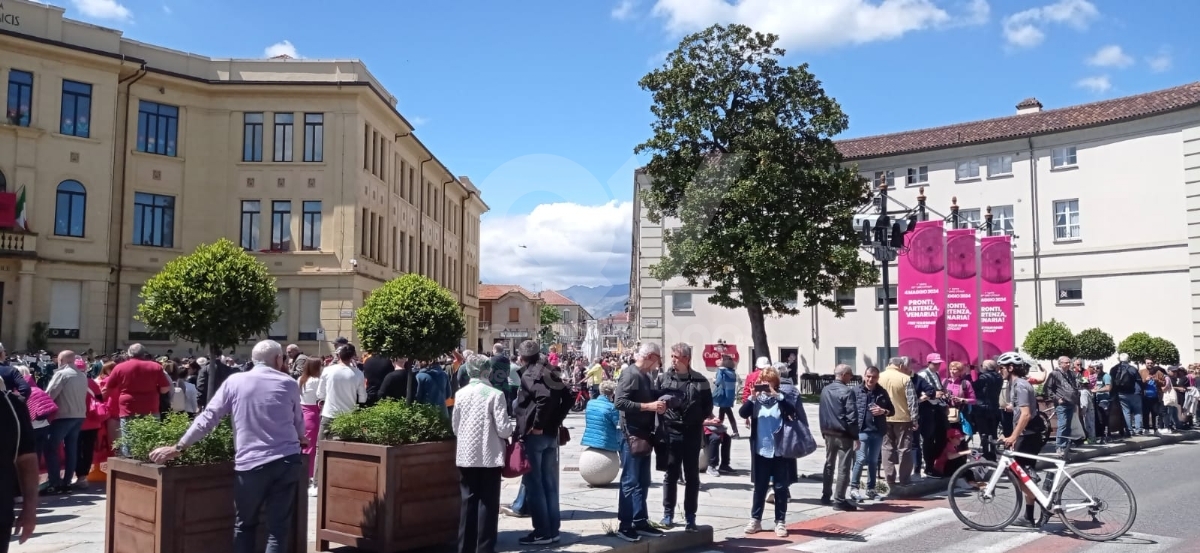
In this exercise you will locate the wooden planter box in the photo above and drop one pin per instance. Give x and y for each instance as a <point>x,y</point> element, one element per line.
<point>386,499</point>
<point>159,509</point>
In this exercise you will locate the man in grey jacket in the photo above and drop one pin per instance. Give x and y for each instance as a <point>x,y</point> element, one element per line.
<point>839,426</point>
<point>69,390</point>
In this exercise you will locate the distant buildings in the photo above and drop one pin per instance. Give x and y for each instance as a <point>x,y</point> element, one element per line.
<point>571,328</point>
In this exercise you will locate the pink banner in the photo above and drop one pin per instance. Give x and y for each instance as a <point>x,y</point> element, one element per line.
<point>921,293</point>
<point>962,298</point>
<point>996,296</point>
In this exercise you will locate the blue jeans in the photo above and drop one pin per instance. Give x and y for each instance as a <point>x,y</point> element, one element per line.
<point>775,473</point>
<point>1131,407</point>
<point>868,455</point>
<point>267,493</point>
<point>63,431</point>
<point>635,486</point>
<point>1066,416</point>
<point>518,504</point>
<point>541,483</point>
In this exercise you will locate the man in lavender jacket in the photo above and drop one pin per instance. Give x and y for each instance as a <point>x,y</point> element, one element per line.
<point>264,404</point>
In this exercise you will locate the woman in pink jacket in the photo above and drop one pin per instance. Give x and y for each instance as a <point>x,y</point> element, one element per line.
<point>961,393</point>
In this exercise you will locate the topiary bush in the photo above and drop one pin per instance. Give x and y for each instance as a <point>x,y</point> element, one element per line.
<point>1138,345</point>
<point>410,316</point>
<point>1050,340</point>
<point>1094,344</point>
<point>392,423</point>
<point>145,434</point>
<point>1163,352</point>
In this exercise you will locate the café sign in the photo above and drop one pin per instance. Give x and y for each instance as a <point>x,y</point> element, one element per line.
<point>9,18</point>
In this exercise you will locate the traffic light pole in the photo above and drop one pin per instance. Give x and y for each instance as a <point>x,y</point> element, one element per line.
<point>887,289</point>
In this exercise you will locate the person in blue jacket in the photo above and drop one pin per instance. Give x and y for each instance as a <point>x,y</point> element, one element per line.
<point>724,390</point>
<point>602,429</point>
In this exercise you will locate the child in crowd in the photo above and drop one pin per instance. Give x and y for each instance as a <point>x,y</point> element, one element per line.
<point>717,443</point>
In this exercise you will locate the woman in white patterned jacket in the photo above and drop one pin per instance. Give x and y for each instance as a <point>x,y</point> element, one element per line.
<point>482,427</point>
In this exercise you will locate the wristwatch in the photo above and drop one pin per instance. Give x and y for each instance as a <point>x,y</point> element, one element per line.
<point>179,448</point>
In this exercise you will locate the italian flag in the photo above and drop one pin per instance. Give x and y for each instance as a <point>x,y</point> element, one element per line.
<point>22,216</point>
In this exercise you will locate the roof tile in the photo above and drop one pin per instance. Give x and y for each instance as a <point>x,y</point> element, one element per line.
<point>496,291</point>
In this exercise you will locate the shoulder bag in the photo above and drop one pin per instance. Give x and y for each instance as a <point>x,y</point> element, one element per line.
<point>516,464</point>
<point>793,440</point>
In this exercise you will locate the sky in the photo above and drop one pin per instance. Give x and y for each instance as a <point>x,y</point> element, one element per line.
<point>537,101</point>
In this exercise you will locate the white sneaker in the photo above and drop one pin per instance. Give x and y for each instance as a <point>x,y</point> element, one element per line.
<point>754,527</point>
<point>771,498</point>
<point>712,471</point>
<point>312,491</point>
<point>781,530</point>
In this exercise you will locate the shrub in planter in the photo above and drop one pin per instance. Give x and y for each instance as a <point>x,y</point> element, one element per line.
<point>388,481</point>
<point>186,505</point>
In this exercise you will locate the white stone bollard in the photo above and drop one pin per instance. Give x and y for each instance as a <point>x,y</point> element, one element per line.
<point>599,467</point>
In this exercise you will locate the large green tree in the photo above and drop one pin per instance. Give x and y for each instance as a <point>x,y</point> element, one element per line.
<point>742,157</point>
<point>1050,340</point>
<point>410,316</point>
<point>218,296</point>
<point>548,315</point>
<point>1094,344</point>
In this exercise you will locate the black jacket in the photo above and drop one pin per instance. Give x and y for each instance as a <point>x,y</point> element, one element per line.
<point>1061,387</point>
<point>210,380</point>
<point>695,402</point>
<point>543,400</point>
<point>878,396</point>
<point>374,371</point>
<point>633,389</point>
<point>987,390</point>
<point>839,410</point>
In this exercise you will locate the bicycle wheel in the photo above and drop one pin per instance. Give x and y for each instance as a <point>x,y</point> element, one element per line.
<point>973,508</point>
<point>1096,495</point>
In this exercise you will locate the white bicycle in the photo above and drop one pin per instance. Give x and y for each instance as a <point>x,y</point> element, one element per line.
<point>1093,503</point>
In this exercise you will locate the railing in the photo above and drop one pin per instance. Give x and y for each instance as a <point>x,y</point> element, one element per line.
<point>17,242</point>
<point>814,383</point>
<point>484,326</point>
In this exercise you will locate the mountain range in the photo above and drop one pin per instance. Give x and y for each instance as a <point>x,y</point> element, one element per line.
<point>600,301</point>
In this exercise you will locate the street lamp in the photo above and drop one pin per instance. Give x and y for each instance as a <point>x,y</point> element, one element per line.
<point>882,236</point>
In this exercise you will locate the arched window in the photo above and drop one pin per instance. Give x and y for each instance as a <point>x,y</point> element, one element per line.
<point>3,183</point>
<point>69,208</point>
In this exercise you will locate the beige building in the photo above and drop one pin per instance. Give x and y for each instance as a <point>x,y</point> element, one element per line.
<point>571,328</point>
<point>509,315</point>
<point>127,155</point>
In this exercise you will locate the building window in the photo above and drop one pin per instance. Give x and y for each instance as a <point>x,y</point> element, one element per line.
<point>310,314</point>
<point>66,299</point>
<point>681,301</point>
<point>283,136</point>
<point>889,176</point>
<point>279,328</point>
<point>281,225</point>
<point>158,128</point>
<point>252,136</point>
<point>1066,220</point>
<point>880,297</point>
<point>968,218</point>
<point>69,209</point>
<point>1002,219</point>
<point>514,314</point>
<point>917,175</point>
<point>884,355</point>
<point>137,329</point>
<point>314,137</point>
<point>967,170</point>
<point>251,221</point>
<point>845,356</point>
<point>1062,157</point>
<point>999,166</point>
<point>844,298</point>
<point>1070,291</point>
<point>20,97</point>
<point>75,116</point>
<point>153,220</point>
<point>310,226</point>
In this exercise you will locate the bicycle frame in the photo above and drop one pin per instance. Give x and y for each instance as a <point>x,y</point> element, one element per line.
<point>1061,477</point>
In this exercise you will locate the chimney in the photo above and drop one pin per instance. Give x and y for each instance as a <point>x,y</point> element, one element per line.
<point>1029,105</point>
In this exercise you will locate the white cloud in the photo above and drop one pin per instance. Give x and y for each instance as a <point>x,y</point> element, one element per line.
<point>103,9</point>
<point>623,10</point>
<point>1098,84</point>
<point>1026,29</point>
<point>1110,56</point>
<point>284,48</point>
<point>814,24</point>
<point>1160,62</point>
<point>564,244</point>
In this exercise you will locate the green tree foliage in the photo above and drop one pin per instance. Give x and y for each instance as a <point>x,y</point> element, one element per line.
<point>742,155</point>
<point>1050,340</point>
<point>144,434</point>
<point>1094,344</point>
<point>218,296</point>
<point>1163,352</point>
<point>1138,345</point>
<point>392,423</point>
<point>550,315</point>
<point>410,316</point>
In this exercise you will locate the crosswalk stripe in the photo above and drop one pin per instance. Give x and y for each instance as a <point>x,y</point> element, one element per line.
<point>993,542</point>
<point>897,529</point>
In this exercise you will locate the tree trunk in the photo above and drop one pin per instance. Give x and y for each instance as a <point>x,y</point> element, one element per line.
<point>758,332</point>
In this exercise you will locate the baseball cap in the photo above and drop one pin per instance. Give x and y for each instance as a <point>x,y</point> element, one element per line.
<point>933,358</point>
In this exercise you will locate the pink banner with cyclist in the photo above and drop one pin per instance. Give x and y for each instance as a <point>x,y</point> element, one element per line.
<point>921,292</point>
<point>996,322</point>
<point>962,298</point>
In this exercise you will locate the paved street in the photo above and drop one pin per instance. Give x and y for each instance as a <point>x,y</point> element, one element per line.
<point>76,524</point>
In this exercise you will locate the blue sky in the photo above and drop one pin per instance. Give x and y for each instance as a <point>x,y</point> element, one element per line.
<point>537,101</point>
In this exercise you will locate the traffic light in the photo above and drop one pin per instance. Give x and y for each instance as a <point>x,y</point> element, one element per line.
<point>900,228</point>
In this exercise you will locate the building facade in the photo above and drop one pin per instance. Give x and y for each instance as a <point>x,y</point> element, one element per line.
<point>509,315</point>
<point>1102,201</point>
<point>571,327</point>
<point>123,155</point>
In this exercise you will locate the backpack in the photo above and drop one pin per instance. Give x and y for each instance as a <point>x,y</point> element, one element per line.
<point>1152,388</point>
<point>1123,379</point>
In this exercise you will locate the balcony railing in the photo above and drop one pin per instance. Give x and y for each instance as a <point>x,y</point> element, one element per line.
<point>17,242</point>
<point>484,326</point>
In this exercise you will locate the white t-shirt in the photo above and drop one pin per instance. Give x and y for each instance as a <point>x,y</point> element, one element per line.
<point>342,388</point>
<point>308,393</point>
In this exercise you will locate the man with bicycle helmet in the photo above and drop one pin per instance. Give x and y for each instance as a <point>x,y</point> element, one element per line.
<point>1028,427</point>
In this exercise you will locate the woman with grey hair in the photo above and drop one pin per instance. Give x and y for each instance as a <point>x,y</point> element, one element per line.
<point>482,427</point>
<point>602,428</point>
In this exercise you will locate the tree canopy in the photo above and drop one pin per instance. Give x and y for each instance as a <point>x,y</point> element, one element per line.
<point>1138,345</point>
<point>1050,340</point>
<point>410,316</point>
<point>218,296</point>
<point>1094,344</point>
<point>742,157</point>
<point>550,315</point>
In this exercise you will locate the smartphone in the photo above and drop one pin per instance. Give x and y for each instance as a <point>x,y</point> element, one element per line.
<point>762,387</point>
